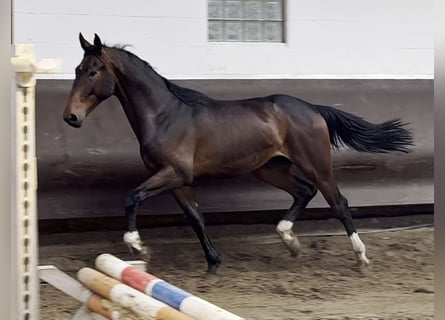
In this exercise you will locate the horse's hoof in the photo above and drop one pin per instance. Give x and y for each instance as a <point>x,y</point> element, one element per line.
<point>130,249</point>
<point>362,257</point>
<point>213,267</point>
<point>145,254</point>
<point>134,243</point>
<point>294,247</point>
<point>294,254</point>
<point>362,260</point>
<point>211,270</point>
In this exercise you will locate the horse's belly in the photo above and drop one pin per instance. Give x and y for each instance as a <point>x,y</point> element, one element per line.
<point>222,166</point>
<point>237,150</point>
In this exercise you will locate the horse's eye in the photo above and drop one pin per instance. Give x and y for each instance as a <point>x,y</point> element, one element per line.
<point>92,73</point>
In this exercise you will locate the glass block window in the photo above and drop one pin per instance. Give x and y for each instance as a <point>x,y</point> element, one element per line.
<point>245,20</point>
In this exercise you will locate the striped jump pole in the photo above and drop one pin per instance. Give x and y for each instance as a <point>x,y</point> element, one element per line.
<point>161,290</point>
<point>128,297</point>
<point>108,309</point>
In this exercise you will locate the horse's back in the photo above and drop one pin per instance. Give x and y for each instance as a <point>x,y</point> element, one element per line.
<point>255,116</point>
<point>241,135</point>
<point>270,104</point>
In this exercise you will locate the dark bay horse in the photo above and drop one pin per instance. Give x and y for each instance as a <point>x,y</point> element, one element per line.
<point>184,134</point>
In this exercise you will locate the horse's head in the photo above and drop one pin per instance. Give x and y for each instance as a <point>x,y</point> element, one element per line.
<point>93,84</point>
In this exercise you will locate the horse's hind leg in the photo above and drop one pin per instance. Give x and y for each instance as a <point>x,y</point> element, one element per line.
<point>185,198</point>
<point>340,206</point>
<point>280,173</point>
<point>316,162</point>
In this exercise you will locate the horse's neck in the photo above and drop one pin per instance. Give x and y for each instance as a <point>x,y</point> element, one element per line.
<point>144,97</point>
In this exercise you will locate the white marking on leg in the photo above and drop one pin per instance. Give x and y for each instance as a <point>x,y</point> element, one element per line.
<point>133,240</point>
<point>359,248</point>
<point>284,229</point>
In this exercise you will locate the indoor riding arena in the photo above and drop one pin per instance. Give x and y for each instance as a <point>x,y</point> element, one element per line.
<point>248,159</point>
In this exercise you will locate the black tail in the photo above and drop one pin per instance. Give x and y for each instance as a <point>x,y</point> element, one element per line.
<point>361,135</point>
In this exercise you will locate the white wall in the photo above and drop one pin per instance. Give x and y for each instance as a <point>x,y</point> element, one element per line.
<point>325,38</point>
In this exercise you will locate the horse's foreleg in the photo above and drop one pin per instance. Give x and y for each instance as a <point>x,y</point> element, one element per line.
<point>164,180</point>
<point>185,198</point>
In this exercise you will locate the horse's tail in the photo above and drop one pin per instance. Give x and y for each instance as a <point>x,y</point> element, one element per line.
<point>361,135</point>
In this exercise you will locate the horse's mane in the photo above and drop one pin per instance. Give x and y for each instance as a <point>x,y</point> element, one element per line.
<point>188,96</point>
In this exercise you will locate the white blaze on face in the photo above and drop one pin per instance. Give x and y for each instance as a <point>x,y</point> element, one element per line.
<point>359,248</point>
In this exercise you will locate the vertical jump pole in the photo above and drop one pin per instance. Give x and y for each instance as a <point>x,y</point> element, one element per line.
<point>7,302</point>
<point>25,219</point>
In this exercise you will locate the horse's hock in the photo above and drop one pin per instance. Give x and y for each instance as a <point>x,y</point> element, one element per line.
<point>87,173</point>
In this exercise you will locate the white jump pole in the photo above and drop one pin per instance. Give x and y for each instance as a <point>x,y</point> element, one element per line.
<point>25,218</point>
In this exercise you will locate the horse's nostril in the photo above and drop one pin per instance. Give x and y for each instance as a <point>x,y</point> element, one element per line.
<point>72,118</point>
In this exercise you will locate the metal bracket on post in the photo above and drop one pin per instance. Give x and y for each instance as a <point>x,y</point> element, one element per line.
<point>25,223</point>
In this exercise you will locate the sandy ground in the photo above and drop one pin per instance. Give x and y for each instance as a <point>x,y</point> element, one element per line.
<point>260,280</point>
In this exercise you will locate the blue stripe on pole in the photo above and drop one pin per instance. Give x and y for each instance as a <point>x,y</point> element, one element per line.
<point>169,294</point>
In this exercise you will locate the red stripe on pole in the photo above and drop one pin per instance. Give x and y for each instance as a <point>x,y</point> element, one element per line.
<point>136,278</point>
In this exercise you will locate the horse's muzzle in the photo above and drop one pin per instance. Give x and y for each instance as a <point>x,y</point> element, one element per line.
<point>72,120</point>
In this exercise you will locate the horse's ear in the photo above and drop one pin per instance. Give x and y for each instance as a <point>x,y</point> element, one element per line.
<point>84,43</point>
<point>97,42</point>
